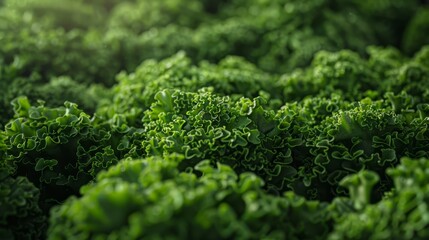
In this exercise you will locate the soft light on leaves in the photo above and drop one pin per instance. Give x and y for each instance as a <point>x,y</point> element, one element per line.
<point>149,198</point>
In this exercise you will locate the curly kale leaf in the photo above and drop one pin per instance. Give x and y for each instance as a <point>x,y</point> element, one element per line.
<point>240,133</point>
<point>58,149</point>
<point>151,199</point>
<point>347,74</point>
<point>233,76</point>
<point>402,214</point>
<point>20,214</point>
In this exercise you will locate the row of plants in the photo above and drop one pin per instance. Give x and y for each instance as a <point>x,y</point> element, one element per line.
<point>223,120</point>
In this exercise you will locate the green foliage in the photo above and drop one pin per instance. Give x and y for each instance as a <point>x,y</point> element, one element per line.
<point>54,92</point>
<point>131,49</point>
<point>150,199</point>
<point>287,33</point>
<point>228,113</point>
<point>360,186</point>
<point>389,17</point>
<point>344,73</point>
<point>233,77</point>
<point>142,15</point>
<point>20,214</point>
<point>33,46</point>
<point>347,74</point>
<point>60,89</point>
<point>36,51</point>
<point>254,119</point>
<point>59,149</point>
<point>12,86</point>
<point>415,36</point>
<point>401,215</point>
<point>64,14</point>
<point>239,133</point>
<point>104,5</point>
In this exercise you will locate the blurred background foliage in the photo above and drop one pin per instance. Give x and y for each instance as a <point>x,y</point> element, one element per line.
<point>90,41</point>
<point>303,94</point>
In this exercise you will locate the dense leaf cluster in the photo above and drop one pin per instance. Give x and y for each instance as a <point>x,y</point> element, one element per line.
<point>227,119</point>
<point>20,215</point>
<point>97,39</point>
<point>151,199</point>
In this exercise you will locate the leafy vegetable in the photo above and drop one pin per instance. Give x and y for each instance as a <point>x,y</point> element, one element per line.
<point>229,119</point>
<point>150,199</point>
<point>20,215</point>
<point>403,214</point>
<point>59,149</point>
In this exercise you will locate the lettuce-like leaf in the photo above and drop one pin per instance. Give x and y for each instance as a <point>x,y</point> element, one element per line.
<point>21,217</point>
<point>150,198</point>
<point>403,214</point>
